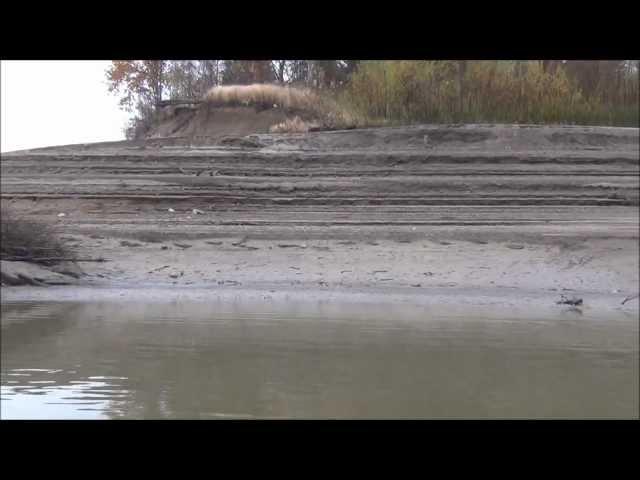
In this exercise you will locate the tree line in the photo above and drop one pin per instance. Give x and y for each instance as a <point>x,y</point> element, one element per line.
<point>402,91</point>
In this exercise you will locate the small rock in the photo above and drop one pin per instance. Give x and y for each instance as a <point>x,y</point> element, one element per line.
<point>197,212</point>
<point>62,215</point>
<point>171,210</point>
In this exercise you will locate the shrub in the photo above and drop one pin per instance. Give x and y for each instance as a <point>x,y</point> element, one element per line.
<point>30,241</point>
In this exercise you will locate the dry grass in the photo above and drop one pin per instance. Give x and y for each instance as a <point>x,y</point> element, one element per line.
<point>293,125</point>
<point>28,240</point>
<point>311,109</point>
<point>263,95</point>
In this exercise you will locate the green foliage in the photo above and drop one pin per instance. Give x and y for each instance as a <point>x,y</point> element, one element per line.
<point>492,91</point>
<point>356,93</point>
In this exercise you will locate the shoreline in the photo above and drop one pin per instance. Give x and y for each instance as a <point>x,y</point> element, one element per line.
<point>476,268</point>
<point>506,302</point>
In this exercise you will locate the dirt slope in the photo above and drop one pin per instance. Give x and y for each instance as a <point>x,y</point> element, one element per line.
<point>214,123</point>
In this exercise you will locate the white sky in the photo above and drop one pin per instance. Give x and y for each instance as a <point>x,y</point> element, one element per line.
<point>47,103</point>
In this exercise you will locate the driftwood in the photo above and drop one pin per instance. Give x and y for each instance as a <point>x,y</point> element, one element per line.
<point>52,259</point>
<point>630,298</point>
<point>19,279</point>
<point>166,103</point>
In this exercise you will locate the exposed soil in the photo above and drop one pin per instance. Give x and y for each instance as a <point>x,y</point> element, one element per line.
<point>532,208</point>
<point>205,120</point>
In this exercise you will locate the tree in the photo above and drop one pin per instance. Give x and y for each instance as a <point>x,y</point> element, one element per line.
<point>138,80</point>
<point>244,72</point>
<point>462,69</point>
<point>280,70</point>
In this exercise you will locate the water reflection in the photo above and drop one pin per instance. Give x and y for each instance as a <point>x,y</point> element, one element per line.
<point>268,360</point>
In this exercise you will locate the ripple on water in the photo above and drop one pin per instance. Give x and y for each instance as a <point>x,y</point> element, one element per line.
<point>223,360</point>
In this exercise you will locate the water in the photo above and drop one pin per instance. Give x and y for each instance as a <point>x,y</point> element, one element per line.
<point>218,360</point>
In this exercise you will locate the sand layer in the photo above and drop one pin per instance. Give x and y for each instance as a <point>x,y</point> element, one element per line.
<point>509,208</point>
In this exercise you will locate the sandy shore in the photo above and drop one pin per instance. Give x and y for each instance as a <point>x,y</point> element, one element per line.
<point>603,272</point>
<point>430,214</point>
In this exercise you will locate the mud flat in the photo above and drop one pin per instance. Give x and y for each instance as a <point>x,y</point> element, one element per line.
<point>422,210</point>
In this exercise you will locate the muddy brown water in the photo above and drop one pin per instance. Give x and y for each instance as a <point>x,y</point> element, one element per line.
<point>239,359</point>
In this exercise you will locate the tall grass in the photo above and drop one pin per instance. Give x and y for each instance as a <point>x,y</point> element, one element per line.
<point>429,91</point>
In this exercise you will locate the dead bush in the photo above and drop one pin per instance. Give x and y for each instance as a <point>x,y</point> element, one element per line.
<point>27,240</point>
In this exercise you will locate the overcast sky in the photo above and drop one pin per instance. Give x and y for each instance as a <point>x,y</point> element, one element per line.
<point>57,103</point>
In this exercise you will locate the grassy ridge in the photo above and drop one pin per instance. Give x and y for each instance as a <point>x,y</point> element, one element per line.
<point>405,92</point>
<point>306,108</point>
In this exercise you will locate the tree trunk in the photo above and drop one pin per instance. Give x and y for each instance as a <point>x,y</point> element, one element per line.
<point>462,69</point>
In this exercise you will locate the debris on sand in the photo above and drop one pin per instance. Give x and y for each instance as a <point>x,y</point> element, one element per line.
<point>240,242</point>
<point>291,245</point>
<point>573,301</point>
<point>197,212</point>
<point>126,243</point>
<point>183,245</point>
<point>630,298</point>
<point>242,142</point>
